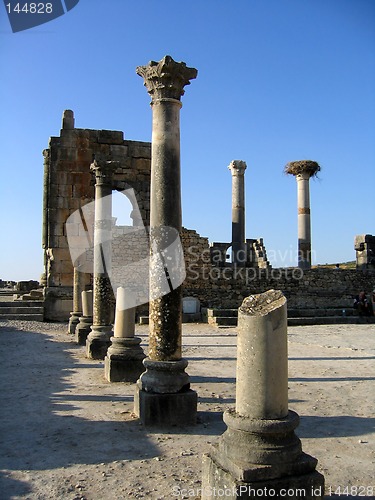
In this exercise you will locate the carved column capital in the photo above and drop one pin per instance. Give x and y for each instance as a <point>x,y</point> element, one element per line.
<point>166,79</point>
<point>103,171</point>
<point>237,167</point>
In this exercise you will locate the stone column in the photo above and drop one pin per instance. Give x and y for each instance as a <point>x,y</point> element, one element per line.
<point>77,301</point>
<point>260,451</point>
<point>304,226</point>
<point>124,360</point>
<point>85,321</point>
<point>237,168</point>
<point>303,170</point>
<point>98,339</point>
<point>163,395</point>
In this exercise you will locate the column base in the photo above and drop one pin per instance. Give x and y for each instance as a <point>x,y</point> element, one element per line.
<point>98,341</point>
<point>124,360</point>
<point>83,329</point>
<point>257,456</point>
<point>73,322</point>
<point>178,409</point>
<point>308,486</point>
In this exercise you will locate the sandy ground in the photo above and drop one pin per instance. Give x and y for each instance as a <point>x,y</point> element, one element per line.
<point>67,433</point>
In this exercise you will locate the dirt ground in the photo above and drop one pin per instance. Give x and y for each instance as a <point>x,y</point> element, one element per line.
<point>67,433</point>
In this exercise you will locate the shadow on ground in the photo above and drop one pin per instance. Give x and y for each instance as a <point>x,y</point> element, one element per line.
<point>339,426</point>
<point>39,426</point>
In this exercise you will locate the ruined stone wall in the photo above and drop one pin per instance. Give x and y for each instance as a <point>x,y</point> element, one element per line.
<point>69,185</point>
<point>315,288</point>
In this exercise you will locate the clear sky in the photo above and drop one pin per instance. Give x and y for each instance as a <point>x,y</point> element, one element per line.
<point>278,80</point>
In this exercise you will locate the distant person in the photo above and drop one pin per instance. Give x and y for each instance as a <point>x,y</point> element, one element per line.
<point>337,266</point>
<point>363,305</point>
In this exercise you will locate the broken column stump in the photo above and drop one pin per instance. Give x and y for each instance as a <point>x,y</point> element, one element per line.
<point>77,302</point>
<point>259,455</point>
<point>124,360</point>
<point>85,321</point>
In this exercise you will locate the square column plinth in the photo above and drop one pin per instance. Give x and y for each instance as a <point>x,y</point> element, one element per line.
<point>309,486</point>
<point>166,409</point>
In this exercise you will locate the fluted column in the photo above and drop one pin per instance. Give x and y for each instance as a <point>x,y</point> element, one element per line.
<point>237,168</point>
<point>98,340</point>
<point>165,376</point>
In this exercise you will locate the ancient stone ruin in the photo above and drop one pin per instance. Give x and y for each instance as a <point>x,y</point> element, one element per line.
<point>259,455</point>
<point>364,246</point>
<point>303,170</point>
<point>219,275</point>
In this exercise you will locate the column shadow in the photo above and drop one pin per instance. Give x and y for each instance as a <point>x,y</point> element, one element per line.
<point>40,423</point>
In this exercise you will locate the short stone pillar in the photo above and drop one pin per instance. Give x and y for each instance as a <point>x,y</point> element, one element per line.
<point>259,455</point>
<point>163,395</point>
<point>98,339</point>
<point>237,168</point>
<point>77,301</point>
<point>85,321</point>
<point>124,360</point>
<point>68,119</point>
<point>303,170</point>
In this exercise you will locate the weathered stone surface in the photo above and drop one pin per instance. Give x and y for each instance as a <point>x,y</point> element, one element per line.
<point>166,78</point>
<point>68,185</point>
<point>177,409</point>
<point>364,246</point>
<point>308,486</point>
<point>163,395</point>
<point>237,168</point>
<point>259,449</point>
<point>110,137</point>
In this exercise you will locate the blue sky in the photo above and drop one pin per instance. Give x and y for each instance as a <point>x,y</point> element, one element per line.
<point>278,80</point>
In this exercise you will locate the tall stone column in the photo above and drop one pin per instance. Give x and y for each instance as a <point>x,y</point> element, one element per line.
<point>163,393</point>
<point>85,321</point>
<point>259,455</point>
<point>303,170</point>
<point>123,362</point>
<point>77,301</point>
<point>98,339</point>
<point>237,168</point>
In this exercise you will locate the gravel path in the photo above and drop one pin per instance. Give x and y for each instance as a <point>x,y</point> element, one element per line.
<point>67,433</point>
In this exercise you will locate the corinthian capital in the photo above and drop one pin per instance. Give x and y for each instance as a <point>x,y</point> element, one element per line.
<point>237,167</point>
<point>166,78</point>
<point>103,171</point>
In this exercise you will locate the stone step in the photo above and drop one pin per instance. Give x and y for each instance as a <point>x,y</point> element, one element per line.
<point>21,310</point>
<point>330,320</point>
<point>329,311</point>
<point>20,303</point>
<point>23,317</point>
<point>225,321</point>
<point>222,312</point>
